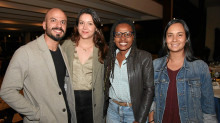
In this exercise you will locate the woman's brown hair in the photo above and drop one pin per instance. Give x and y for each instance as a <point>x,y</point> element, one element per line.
<point>98,38</point>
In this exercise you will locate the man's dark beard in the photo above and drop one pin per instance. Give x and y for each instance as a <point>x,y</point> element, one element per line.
<point>57,37</point>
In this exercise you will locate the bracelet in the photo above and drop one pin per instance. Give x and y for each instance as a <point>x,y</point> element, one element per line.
<point>151,121</point>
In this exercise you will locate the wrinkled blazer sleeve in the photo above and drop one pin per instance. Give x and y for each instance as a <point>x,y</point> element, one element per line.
<point>13,82</point>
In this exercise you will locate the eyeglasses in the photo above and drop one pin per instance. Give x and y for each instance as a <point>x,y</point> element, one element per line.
<point>126,34</point>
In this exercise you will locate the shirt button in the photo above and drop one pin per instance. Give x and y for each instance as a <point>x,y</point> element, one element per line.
<point>60,93</point>
<point>64,110</point>
<point>94,105</point>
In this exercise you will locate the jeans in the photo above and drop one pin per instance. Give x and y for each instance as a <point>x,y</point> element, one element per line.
<point>119,114</point>
<point>217,108</point>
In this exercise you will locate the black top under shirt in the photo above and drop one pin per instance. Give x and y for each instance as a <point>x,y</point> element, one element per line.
<point>61,72</point>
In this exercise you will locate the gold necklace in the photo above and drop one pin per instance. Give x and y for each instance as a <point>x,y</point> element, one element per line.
<point>85,49</point>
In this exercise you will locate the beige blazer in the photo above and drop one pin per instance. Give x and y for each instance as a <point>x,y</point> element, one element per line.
<point>97,79</point>
<point>32,69</point>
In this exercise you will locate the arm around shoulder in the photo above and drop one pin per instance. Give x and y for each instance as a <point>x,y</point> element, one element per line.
<point>66,43</point>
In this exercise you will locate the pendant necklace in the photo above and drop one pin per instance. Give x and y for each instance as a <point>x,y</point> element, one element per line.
<point>85,49</point>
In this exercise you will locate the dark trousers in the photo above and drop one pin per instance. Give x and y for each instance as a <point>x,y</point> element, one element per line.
<point>217,108</point>
<point>84,112</point>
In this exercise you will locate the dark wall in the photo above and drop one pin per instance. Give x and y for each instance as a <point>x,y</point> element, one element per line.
<point>195,17</point>
<point>216,55</point>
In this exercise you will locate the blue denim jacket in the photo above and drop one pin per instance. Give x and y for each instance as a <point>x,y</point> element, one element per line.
<point>194,91</point>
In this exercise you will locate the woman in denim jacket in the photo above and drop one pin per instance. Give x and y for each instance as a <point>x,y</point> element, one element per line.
<point>183,88</point>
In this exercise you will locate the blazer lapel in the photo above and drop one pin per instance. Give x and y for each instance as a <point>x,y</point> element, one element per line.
<point>96,64</point>
<point>45,52</point>
<point>65,59</point>
<point>69,51</point>
<point>70,57</point>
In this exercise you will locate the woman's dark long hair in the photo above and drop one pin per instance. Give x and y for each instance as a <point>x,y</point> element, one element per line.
<point>110,59</point>
<point>98,37</point>
<point>187,48</point>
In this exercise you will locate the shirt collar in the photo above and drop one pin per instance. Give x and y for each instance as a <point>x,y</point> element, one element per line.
<point>164,61</point>
<point>126,55</point>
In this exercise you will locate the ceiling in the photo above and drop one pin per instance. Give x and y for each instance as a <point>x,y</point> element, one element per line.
<point>27,15</point>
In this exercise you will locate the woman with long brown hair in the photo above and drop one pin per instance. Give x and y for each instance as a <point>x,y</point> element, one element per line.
<point>86,52</point>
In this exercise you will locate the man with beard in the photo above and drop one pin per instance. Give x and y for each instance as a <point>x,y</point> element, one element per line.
<point>40,69</point>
